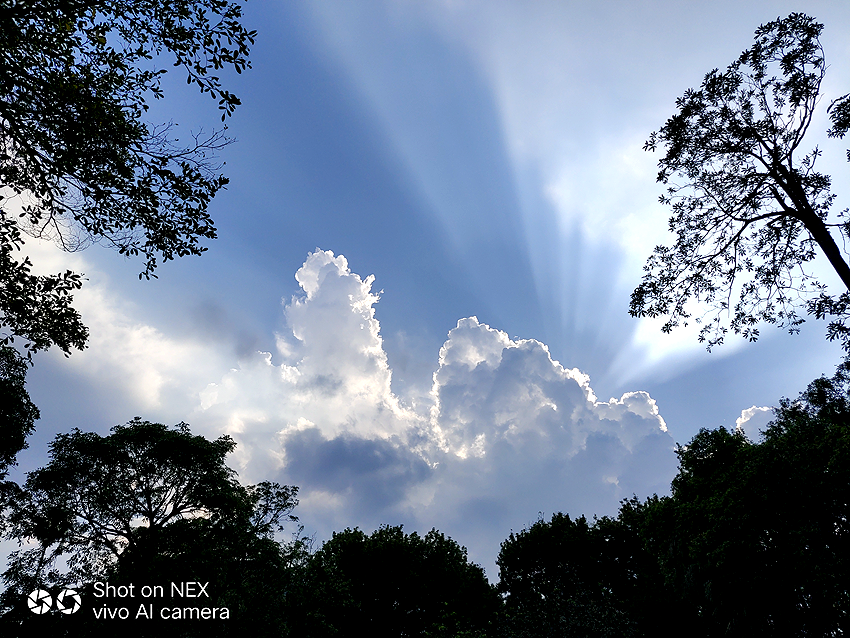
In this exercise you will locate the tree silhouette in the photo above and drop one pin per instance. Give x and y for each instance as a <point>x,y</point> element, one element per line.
<point>753,540</point>
<point>149,504</point>
<point>750,211</point>
<point>392,584</point>
<point>78,162</point>
<point>562,578</point>
<point>17,413</point>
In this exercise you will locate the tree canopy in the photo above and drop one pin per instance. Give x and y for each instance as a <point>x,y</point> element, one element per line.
<point>78,161</point>
<point>752,541</point>
<point>392,584</point>
<point>561,577</point>
<point>750,210</point>
<point>754,537</point>
<point>18,414</point>
<point>148,504</point>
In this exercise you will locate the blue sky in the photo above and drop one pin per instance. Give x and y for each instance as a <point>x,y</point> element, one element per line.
<point>417,306</point>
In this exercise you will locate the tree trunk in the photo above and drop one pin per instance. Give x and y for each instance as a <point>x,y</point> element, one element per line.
<point>790,183</point>
<point>823,237</point>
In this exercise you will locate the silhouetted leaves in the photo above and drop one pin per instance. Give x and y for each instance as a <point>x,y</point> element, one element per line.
<point>392,584</point>
<point>17,413</point>
<point>749,208</point>
<point>76,154</point>
<point>562,578</point>
<point>753,541</point>
<point>150,504</point>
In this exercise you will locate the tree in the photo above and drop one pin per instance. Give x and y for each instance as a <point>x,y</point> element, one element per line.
<point>754,539</point>
<point>749,209</point>
<point>76,78</point>
<point>149,504</point>
<point>392,584</point>
<point>563,578</point>
<point>18,414</point>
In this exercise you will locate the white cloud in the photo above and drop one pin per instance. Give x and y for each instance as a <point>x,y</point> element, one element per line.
<point>490,388</point>
<point>753,420</point>
<point>125,355</point>
<point>522,434</point>
<point>333,378</point>
<point>508,432</point>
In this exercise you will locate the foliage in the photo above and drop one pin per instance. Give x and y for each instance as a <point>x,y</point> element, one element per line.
<point>392,584</point>
<point>36,308</point>
<point>753,541</point>
<point>749,208</point>
<point>806,454</point>
<point>78,163</point>
<point>150,504</point>
<point>17,413</point>
<point>560,578</point>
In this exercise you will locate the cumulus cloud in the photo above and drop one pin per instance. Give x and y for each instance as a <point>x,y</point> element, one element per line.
<point>490,388</point>
<point>503,432</point>
<point>508,431</point>
<point>126,356</point>
<point>753,421</point>
<point>333,377</point>
<point>521,434</point>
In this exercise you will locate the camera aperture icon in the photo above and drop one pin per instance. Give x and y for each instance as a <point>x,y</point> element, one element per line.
<point>39,601</point>
<point>68,601</point>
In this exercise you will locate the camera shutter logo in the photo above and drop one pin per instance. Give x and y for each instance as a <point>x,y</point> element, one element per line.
<point>39,601</point>
<point>68,601</point>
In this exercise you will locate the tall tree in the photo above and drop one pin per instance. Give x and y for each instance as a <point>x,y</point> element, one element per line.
<point>78,161</point>
<point>149,504</point>
<point>754,539</point>
<point>750,210</point>
<point>18,415</point>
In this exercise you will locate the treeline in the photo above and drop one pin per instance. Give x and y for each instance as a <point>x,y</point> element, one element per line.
<point>752,541</point>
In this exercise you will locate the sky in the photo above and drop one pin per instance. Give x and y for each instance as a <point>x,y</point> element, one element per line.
<point>417,306</point>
